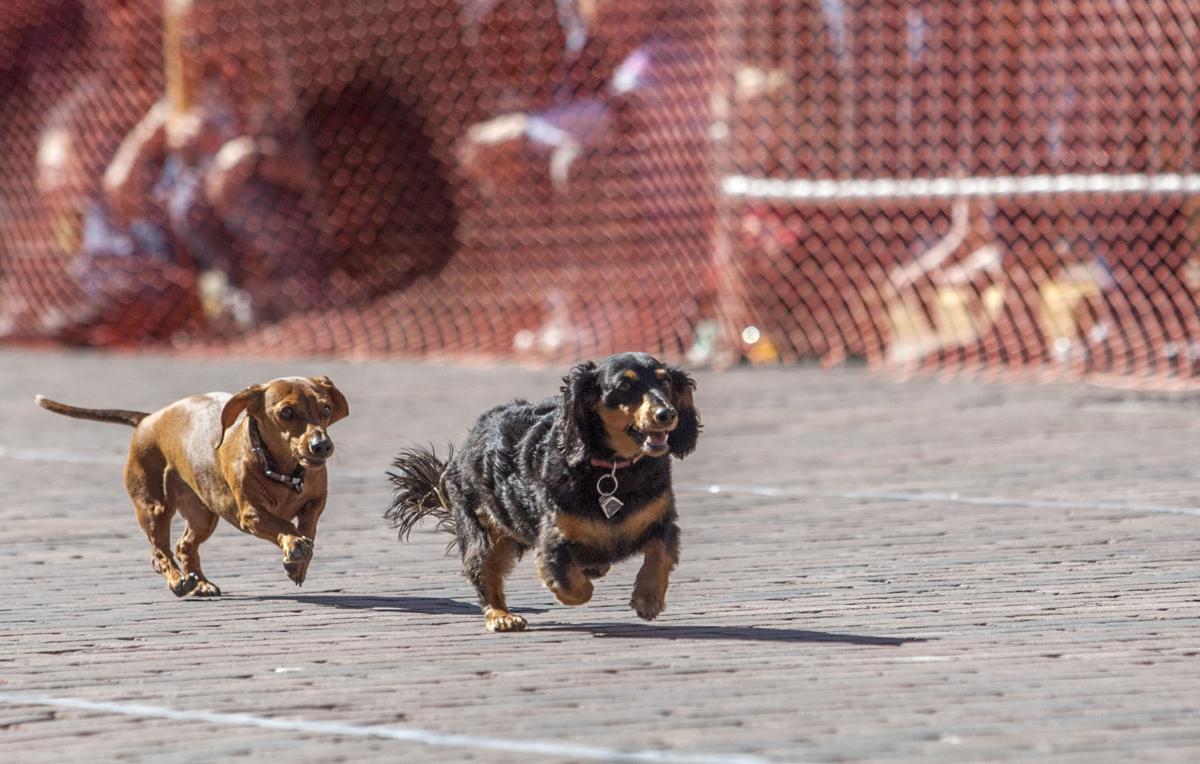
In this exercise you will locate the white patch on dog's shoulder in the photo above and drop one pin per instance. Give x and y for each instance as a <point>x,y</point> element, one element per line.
<point>205,427</point>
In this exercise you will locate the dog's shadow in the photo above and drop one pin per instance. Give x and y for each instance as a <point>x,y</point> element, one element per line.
<point>731,633</point>
<point>447,606</point>
<point>423,605</point>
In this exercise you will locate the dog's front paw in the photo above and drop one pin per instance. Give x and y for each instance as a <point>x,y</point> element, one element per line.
<point>297,549</point>
<point>647,604</point>
<point>206,589</point>
<point>184,585</point>
<point>502,620</point>
<point>296,571</point>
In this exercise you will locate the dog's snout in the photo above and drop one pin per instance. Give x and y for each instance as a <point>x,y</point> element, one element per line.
<point>665,415</point>
<point>321,445</point>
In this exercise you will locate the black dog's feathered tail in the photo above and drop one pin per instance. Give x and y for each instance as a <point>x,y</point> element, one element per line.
<point>418,491</point>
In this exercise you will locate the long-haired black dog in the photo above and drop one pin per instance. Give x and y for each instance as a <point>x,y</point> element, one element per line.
<point>581,478</point>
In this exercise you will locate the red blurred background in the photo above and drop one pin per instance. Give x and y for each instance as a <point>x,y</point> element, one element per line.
<point>923,185</point>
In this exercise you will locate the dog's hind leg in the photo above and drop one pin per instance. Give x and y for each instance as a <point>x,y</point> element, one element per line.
<point>200,525</point>
<point>486,565</point>
<point>188,549</point>
<point>155,519</point>
<point>201,522</point>
<point>154,515</point>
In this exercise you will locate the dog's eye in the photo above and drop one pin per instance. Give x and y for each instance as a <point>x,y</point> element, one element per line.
<point>286,413</point>
<point>326,411</point>
<point>624,386</point>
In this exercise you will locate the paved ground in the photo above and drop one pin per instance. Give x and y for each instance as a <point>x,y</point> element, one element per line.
<point>872,571</point>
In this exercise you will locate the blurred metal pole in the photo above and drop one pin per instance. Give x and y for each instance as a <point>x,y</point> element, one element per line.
<point>182,77</point>
<point>730,308</point>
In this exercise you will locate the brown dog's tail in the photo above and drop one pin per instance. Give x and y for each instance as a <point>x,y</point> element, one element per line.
<point>116,416</point>
<point>418,491</point>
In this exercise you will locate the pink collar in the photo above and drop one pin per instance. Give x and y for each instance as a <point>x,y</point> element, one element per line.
<point>617,465</point>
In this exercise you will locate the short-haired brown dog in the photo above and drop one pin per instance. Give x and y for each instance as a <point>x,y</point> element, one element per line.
<point>200,457</point>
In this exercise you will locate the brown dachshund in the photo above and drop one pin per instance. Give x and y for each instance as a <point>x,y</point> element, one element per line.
<point>202,458</point>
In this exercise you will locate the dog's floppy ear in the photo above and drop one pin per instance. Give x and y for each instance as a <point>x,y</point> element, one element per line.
<point>251,396</point>
<point>580,392</point>
<point>687,432</point>
<point>341,407</point>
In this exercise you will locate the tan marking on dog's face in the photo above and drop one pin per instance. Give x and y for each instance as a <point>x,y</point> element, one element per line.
<point>633,387</point>
<point>643,416</point>
<point>598,534</point>
<point>618,419</point>
<point>617,422</point>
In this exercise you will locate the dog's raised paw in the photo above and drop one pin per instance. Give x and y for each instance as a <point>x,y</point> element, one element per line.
<point>502,620</point>
<point>185,585</point>
<point>296,571</point>
<point>299,550</point>
<point>647,606</point>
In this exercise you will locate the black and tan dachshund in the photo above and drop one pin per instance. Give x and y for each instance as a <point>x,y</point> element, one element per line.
<point>583,478</point>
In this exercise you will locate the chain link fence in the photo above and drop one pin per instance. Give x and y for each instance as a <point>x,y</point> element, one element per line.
<point>984,186</point>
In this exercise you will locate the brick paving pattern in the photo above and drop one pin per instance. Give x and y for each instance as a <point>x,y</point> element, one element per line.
<point>872,570</point>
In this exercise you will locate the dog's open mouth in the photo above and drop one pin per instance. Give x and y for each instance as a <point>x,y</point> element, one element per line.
<point>654,442</point>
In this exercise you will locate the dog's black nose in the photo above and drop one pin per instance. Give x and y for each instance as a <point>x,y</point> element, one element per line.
<point>665,415</point>
<point>320,445</point>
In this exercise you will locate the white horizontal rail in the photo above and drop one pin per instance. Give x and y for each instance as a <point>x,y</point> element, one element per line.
<point>803,189</point>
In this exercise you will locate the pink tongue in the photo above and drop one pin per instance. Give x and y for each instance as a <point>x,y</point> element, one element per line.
<point>657,438</point>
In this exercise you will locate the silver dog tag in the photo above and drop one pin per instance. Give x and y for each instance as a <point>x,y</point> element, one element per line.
<point>610,505</point>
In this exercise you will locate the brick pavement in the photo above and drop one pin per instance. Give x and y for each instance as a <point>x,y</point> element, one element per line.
<point>883,571</point>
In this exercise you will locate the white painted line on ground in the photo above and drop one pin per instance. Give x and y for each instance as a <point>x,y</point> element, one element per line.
<point>407,734</point>
<point>1000,501</point>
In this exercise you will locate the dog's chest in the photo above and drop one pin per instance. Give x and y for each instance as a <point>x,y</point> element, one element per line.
<point>626,527</point>
<point>280,499</point>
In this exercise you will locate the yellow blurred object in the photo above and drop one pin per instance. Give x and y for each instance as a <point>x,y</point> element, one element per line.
<point>1061,298</point>
<point>68,229</point>
<point>960,315</point>
<point>763,351</point>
